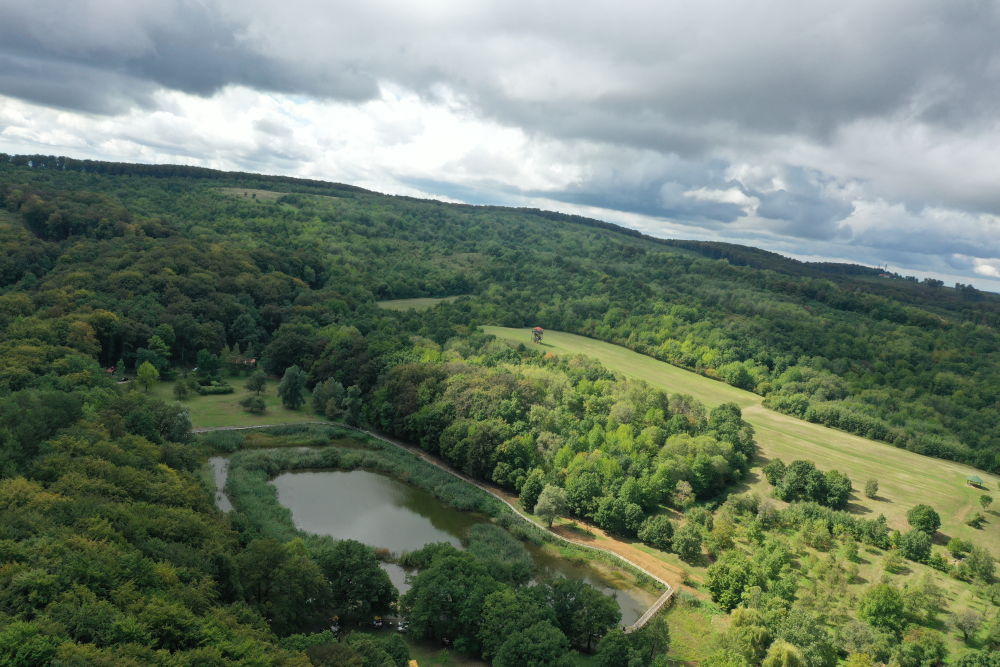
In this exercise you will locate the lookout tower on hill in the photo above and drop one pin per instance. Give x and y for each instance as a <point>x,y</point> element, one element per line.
<point>536,334</point>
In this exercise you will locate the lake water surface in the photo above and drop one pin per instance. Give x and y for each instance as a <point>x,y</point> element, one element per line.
<point>382,511</point>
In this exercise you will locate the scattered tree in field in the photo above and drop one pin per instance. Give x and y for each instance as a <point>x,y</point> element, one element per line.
<point>551,504</point>
<point>292,388</point>
<point>915,545</point>
<point>981,564</point>
<point>985,501</point>
<point>923,517</point>
<point>148,375</point>
<point>871,487</point>
<point>254,404</point>
<point>958,547</point>
<point>687,543</point>
<point>968,622</point>
<point>181,390</point>
<point>256,383</point>
<point>883,607</point>
<point>850,550</point>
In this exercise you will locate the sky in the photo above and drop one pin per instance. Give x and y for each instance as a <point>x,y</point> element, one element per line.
<point>852,131</point>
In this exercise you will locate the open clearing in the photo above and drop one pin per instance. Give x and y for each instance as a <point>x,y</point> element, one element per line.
<point>248,193</point>
<point>416,304</point>
<point>905,479</point>
<point>225,409</point>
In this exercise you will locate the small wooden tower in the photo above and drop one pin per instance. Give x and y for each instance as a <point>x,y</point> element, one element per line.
<point>536,334</point>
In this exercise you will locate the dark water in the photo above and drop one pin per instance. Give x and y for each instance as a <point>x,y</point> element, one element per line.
<point>381,511</point>
<point>220,470</point>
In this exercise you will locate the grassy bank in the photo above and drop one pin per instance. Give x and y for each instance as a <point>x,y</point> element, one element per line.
<point>905,479</point>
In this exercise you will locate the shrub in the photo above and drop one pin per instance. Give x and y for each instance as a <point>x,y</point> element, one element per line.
<point>254,404</point>
<point>976,520</point>
<point>216,389</point>
<point>871,487</point>
<point>893,562</point>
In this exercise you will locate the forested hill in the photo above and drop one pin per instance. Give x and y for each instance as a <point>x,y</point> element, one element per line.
<point>99,259</point>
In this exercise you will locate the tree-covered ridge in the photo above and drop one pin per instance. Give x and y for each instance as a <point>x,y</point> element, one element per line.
<point>878,357</point>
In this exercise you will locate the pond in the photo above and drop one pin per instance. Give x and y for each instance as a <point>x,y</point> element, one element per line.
<point>382,511</point>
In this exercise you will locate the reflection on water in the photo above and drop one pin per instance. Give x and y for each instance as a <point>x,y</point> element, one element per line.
<point>381,511</point>
<point>370,507</point>
<point>220,470</point>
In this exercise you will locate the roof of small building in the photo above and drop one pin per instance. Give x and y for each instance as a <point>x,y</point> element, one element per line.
<point>537,329</point>
<point>974,478</point>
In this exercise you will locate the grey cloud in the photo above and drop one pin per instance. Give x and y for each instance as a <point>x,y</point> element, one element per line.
<point>181,45</point>
<point>804,208</point>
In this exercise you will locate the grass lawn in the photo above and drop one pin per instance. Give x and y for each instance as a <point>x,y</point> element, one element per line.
<point>416,304</point>
<point>693,631</point>
<point>905,479</point>
<point>225,409</point>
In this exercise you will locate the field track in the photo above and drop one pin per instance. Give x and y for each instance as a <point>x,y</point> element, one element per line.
<point>905,479</point>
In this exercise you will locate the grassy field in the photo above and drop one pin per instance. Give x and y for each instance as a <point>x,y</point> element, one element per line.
<point>249,193</point>
<point>416,304</point>
<point>225,410</point>
<point>905,479</point>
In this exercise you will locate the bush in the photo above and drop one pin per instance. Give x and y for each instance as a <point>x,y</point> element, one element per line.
<point>893,562</point>
<point>254,404</point>
<point>871,487</point>
<point>976,520</point>
<point>216,389</point>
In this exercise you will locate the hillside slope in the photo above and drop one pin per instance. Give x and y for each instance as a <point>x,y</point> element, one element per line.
<point>905,479</point>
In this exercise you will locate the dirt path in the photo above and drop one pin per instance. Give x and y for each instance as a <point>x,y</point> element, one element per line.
<point>669,575</point>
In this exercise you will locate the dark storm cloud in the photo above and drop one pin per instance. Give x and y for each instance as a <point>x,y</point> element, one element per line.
<point>185,46</point>
<point>835,102</point>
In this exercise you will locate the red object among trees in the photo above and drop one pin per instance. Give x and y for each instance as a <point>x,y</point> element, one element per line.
<point>536,334</point>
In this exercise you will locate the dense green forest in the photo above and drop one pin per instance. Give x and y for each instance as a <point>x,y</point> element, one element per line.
<point>114,554</point>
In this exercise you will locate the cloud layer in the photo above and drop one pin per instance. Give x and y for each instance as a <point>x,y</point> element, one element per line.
<point>849,130</point>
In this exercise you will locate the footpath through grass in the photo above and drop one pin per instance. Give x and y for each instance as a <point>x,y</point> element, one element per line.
<point>905,479</point>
